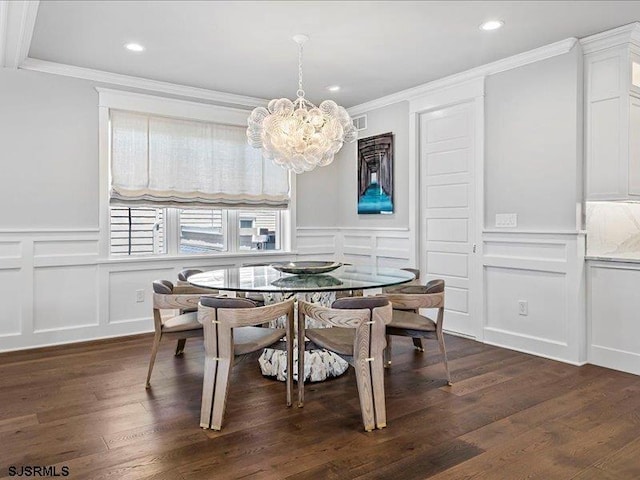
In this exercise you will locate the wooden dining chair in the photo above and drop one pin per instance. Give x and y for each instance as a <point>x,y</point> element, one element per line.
<point>417,341</point>
<point>184,299</point>
<point>408,322</point>
<point>230,330</point>
<point>183,275</point>
<point>358,336</point>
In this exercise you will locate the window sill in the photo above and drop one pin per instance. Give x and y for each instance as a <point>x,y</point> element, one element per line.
<point>182,258</point>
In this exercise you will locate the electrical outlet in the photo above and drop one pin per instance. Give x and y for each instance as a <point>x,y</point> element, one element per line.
<point>139,296</point>
<point>523,307</point>
<point>506,220</point>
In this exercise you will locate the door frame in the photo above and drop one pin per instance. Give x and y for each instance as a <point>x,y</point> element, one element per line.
<point>464,92</point>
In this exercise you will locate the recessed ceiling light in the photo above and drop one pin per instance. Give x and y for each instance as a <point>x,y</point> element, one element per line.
<point>333,88</point>
<point>491,25</point>
<point>134,47</point>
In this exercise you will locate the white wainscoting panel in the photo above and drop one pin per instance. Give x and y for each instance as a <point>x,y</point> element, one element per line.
<point>64,247</point>
<point>65,297</point>
<point>317,243</point>
<point>11,305</point>
<point>60,291</point>
<point>547,271</point>
<point>384,247</point>
<point>9,249</point>
<point>546,295</point>
<point>390,262</point>
<point>123,285</point>
<point>613,315</point>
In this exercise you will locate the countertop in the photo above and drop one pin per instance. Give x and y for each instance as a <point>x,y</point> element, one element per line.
<point>617,258</point>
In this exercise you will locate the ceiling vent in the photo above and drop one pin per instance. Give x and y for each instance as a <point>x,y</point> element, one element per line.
<point>360,122</point>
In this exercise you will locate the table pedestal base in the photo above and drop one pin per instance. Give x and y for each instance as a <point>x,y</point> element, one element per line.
<point>318,365</point>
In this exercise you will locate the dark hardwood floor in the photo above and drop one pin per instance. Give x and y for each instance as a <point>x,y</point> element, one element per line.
<point>507,416</point>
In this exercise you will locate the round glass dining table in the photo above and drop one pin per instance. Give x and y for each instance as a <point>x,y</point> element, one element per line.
<point>266,279</point>
<point>276,286</point>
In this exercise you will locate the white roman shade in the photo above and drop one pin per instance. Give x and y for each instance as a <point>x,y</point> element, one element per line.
<point>160,161</point>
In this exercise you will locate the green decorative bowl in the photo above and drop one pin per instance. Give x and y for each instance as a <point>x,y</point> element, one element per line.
<point>306,268</point>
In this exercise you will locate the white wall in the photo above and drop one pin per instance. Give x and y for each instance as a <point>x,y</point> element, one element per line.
<point>55,287</point>
<point>533,143</point>
<point>318,202</point>
<point>533,167</point>
<point>329,226</point>
<point>393,118</point>
<point>61,291</point>
<point>48,151</point>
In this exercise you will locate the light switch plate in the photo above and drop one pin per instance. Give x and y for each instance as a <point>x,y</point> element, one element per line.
<point>506,220</point>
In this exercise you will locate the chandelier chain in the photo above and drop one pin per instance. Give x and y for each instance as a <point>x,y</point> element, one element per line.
<point>300,91</point>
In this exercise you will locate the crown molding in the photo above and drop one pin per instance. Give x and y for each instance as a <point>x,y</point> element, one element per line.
<point>519,60</point>
<point>17,21</point>
<point>171,107</point>
<point>612,38</point>
<point>103,77</point>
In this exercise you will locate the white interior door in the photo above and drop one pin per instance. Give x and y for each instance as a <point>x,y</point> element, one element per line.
<point>448,211</point>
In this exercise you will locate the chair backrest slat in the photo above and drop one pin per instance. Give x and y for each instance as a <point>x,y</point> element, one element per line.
<point>243,317</point>
<point>177,302</point>
<point>408,301</point>
<point>334,317</point>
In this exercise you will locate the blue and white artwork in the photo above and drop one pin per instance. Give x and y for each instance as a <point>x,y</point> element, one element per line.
<point>375,174</point>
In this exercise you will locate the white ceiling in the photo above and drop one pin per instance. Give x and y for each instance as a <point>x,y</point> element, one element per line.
<point>371,49</point>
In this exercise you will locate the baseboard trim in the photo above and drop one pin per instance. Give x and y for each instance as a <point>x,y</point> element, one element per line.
<point>52,347</point>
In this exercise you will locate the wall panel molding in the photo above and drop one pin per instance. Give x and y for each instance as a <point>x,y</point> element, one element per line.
<point>384,247</point>
<point>61,291</point>
<point>545,269</point>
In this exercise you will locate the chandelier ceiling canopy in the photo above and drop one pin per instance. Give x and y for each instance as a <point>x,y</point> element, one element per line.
<point>297,135</point>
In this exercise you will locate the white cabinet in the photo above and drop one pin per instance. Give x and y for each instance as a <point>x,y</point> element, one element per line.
<point>613,320</point>
<point>612,113</point>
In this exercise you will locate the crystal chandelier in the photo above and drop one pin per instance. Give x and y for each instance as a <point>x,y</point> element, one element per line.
<point>298,135</point>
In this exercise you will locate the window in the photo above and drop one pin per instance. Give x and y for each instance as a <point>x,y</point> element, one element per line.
<point>202,231</point>
<point>259,230</point>
<point>143,231</point>
<point>182,180</point>
<point>137,231</point>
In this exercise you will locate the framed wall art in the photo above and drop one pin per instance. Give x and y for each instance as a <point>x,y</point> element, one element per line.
<point>375,174</point>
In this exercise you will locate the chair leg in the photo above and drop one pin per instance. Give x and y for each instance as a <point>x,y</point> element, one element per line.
<point>152,360</point>
<point>387,352</point>
<point>221,390</point>
<point>377,379</point>
<point>180,346</point>
<point>365,392</point>
<point>289,339</point>
<point>208,386</point>
<point>300,377</point>
<point>417,342</point>
<point>443,351</point>
<point>300,340</point>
